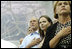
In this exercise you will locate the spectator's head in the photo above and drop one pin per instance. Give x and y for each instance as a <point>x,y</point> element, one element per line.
<point>61,7</point>
<point>44,23</point>
<point>34,23</point>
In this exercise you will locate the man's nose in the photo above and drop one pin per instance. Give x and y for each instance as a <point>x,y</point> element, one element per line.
<point>32,22</point>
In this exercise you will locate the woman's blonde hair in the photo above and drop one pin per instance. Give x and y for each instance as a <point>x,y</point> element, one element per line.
<point>55,4</point>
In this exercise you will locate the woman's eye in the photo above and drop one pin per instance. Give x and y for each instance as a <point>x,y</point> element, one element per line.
<point>39,22</point>
<point>44,21</point>
<point>65,3</point>
<point>59,4</point>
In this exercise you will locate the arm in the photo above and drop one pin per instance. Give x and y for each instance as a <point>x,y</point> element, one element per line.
<point>64,32</point>
<point>34,42</point>
<point>54,41</point>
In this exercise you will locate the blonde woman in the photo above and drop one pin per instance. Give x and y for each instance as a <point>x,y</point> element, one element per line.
<point>62,37</point>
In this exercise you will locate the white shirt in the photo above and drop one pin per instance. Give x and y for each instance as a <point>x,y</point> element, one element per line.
<point>28,39</point>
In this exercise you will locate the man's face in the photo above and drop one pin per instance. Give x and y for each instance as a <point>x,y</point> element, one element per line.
<point>34,23</point>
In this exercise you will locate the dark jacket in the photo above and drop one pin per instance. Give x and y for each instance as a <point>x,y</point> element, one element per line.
<point>49,35</point>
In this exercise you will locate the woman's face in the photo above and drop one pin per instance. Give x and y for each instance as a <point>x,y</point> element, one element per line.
<point>62,7</point>
<point>43,23</point>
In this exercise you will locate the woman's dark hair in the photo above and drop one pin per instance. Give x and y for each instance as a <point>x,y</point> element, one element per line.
<point>49,20</point>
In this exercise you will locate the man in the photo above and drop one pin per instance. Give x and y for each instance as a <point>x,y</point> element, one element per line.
<point>32,40</point>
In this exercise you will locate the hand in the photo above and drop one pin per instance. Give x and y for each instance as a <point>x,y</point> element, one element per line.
<point>21,40</point>
<point>36,40</point>
<point>64,32</point>
<point>33,42</point>
<point>41,43</point>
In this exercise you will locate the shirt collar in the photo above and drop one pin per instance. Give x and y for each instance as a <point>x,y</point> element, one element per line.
<point>36,32</point>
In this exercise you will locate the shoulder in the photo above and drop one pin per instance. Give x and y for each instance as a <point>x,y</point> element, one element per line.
<point>55,24</point>
<point>51,30</point>
<point>52,27</point>
<point>37,32</point>
<point>27,36</point>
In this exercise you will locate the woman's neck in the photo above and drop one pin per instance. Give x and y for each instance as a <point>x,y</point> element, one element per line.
<point>44,33</point>
<point>64,18</point>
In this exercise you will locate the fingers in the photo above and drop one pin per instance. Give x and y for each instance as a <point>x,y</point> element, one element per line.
<point>68,28</point>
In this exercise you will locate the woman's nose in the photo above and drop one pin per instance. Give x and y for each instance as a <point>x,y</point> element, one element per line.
<point>63,5</point>
<point>42,24</point>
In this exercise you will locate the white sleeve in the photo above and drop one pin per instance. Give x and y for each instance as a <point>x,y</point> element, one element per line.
<point>37,36</point>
